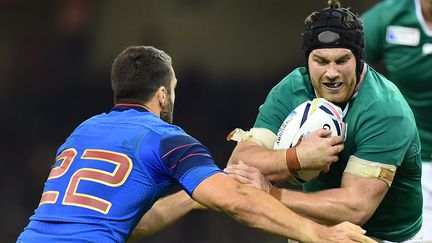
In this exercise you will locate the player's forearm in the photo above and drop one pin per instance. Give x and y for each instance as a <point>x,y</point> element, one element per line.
<point>163,213</point>
<point>328,207</point>
<point>272,163</point>
<point>259,210</point>
<point>254,208</point>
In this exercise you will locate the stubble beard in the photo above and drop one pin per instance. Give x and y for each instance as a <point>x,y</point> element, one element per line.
<point>167,112</point>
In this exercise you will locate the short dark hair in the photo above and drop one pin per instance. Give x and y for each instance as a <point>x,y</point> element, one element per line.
<point>137,73</point>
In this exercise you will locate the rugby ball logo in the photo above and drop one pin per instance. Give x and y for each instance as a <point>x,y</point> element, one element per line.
<point>304,119</point>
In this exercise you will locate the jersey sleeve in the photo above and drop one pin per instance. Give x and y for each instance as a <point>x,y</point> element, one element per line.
<point>374,32</point>
<point>384,134</point>
<point>271,114</point>
<point>278,104</point>
<point>187,161</point>
<point>293,90</point>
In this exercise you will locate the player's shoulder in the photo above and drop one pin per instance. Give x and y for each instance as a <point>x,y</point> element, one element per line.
<point>373,80</point>
<point>164,130</point>
<point>295,82</point>
<point>173,138</point>
<point>392,8</point>
<point>171,135</point>
<point>139,123</point>
<point>166,138</point>
<point>291,91</point>
<point>295,78</point>
<point>146,121</point>
<point>394,5</point>
<point>378,97</point>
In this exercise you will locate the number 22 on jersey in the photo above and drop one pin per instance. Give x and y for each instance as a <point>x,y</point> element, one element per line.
<point>123,167</point>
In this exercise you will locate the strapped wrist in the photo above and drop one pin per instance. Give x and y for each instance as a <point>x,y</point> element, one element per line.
<point>292,160</point>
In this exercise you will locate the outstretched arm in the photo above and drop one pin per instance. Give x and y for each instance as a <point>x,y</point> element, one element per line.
<point>164,212</point>
<point>257,209</point>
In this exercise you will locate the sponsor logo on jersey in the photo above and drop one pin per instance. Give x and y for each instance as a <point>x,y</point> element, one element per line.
<point>403,35</point>
<point>427,49</point>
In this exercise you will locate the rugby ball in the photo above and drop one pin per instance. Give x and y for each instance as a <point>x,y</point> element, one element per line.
<point>304,119</point>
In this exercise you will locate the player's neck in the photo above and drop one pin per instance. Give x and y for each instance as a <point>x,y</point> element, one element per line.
<point>427,12</point>
<point>153,106</point>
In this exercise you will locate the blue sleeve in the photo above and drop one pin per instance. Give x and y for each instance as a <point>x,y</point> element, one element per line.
<point>187,160</point>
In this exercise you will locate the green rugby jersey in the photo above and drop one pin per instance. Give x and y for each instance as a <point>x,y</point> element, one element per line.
<point>381,128</point>
<point>397,35</point>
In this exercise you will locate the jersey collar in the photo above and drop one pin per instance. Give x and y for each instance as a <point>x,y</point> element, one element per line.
<point>421,18</point>
<point>127,106</point>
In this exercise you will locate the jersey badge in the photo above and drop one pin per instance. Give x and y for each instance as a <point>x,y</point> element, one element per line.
<point>403,35</point>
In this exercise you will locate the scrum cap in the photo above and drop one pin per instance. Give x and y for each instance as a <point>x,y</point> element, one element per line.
<point>335,27</point>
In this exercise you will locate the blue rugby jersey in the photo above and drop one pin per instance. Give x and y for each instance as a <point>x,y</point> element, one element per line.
<point>110,171</point>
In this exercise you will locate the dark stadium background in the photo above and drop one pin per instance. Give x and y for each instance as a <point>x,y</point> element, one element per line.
<point>55,72</point>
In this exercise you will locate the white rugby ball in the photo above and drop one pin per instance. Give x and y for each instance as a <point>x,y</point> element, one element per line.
<point>304,119</point>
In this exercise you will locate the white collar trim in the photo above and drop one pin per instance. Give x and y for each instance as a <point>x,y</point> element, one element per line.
<point>421,19</point>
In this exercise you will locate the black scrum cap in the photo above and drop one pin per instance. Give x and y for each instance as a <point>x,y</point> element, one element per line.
<point>335,27</point>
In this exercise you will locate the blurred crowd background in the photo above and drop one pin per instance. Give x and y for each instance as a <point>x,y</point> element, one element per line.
<point>55,73</point>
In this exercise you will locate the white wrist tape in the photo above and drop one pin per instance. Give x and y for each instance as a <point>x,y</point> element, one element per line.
<point>261,136</point>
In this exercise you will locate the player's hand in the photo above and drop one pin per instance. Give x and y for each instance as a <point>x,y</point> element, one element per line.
<point>318,151</point>
<point>343,232</point>
<point>249,175</point>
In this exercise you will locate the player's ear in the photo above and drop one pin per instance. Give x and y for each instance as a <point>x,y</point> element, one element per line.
<point>161,95</point>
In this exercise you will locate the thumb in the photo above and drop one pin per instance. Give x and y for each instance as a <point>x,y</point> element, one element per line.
<point>324,133</point>
<point>355,228</point>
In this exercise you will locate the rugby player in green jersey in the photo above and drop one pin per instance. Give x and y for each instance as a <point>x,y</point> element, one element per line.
<point>398,34</point>
<point>376,181</point>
